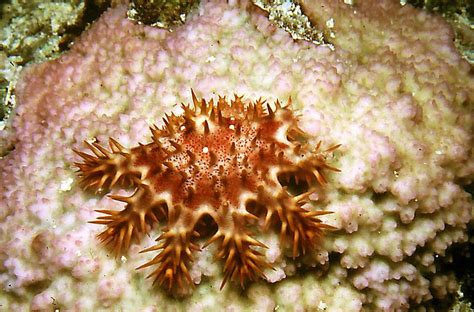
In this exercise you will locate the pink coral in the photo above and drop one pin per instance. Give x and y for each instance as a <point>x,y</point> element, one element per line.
<point>394,91</point>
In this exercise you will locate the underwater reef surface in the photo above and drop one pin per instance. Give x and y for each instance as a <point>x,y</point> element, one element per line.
<point>35,31</point>
<point>394,92</point>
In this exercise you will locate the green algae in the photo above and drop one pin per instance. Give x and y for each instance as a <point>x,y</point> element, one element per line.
<point>33,31</point>
<point>161,13</point>
<point>288,16</point>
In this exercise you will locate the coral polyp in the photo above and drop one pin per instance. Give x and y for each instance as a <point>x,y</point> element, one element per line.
<point>231,166</point>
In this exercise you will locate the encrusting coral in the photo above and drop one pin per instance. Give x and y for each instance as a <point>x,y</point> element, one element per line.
<point>231,161</point>
<point>394,92</point>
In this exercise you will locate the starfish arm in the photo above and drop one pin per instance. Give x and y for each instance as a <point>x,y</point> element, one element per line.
<point>176,255</point>
<point>318,162</point>
<point>105,168</point>
<point>142,210</point>
<point>301,227</point>
<point>242,262</point>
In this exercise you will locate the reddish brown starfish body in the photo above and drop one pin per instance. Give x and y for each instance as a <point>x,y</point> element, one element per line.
<point>221,166</point>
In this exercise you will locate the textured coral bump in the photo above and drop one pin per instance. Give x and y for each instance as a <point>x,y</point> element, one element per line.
<point>219,170</point>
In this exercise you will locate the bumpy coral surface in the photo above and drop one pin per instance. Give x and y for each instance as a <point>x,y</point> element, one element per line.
<point>394,92</point>
<point>230,162</point>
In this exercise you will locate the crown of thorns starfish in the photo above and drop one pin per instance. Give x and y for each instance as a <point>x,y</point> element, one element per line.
<point>223,166</point>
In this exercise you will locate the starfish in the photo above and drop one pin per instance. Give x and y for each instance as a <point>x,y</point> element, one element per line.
<point>219,170</point>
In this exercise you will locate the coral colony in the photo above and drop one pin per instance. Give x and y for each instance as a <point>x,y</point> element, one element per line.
<point>223,165</point>
<point>398,100</point>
